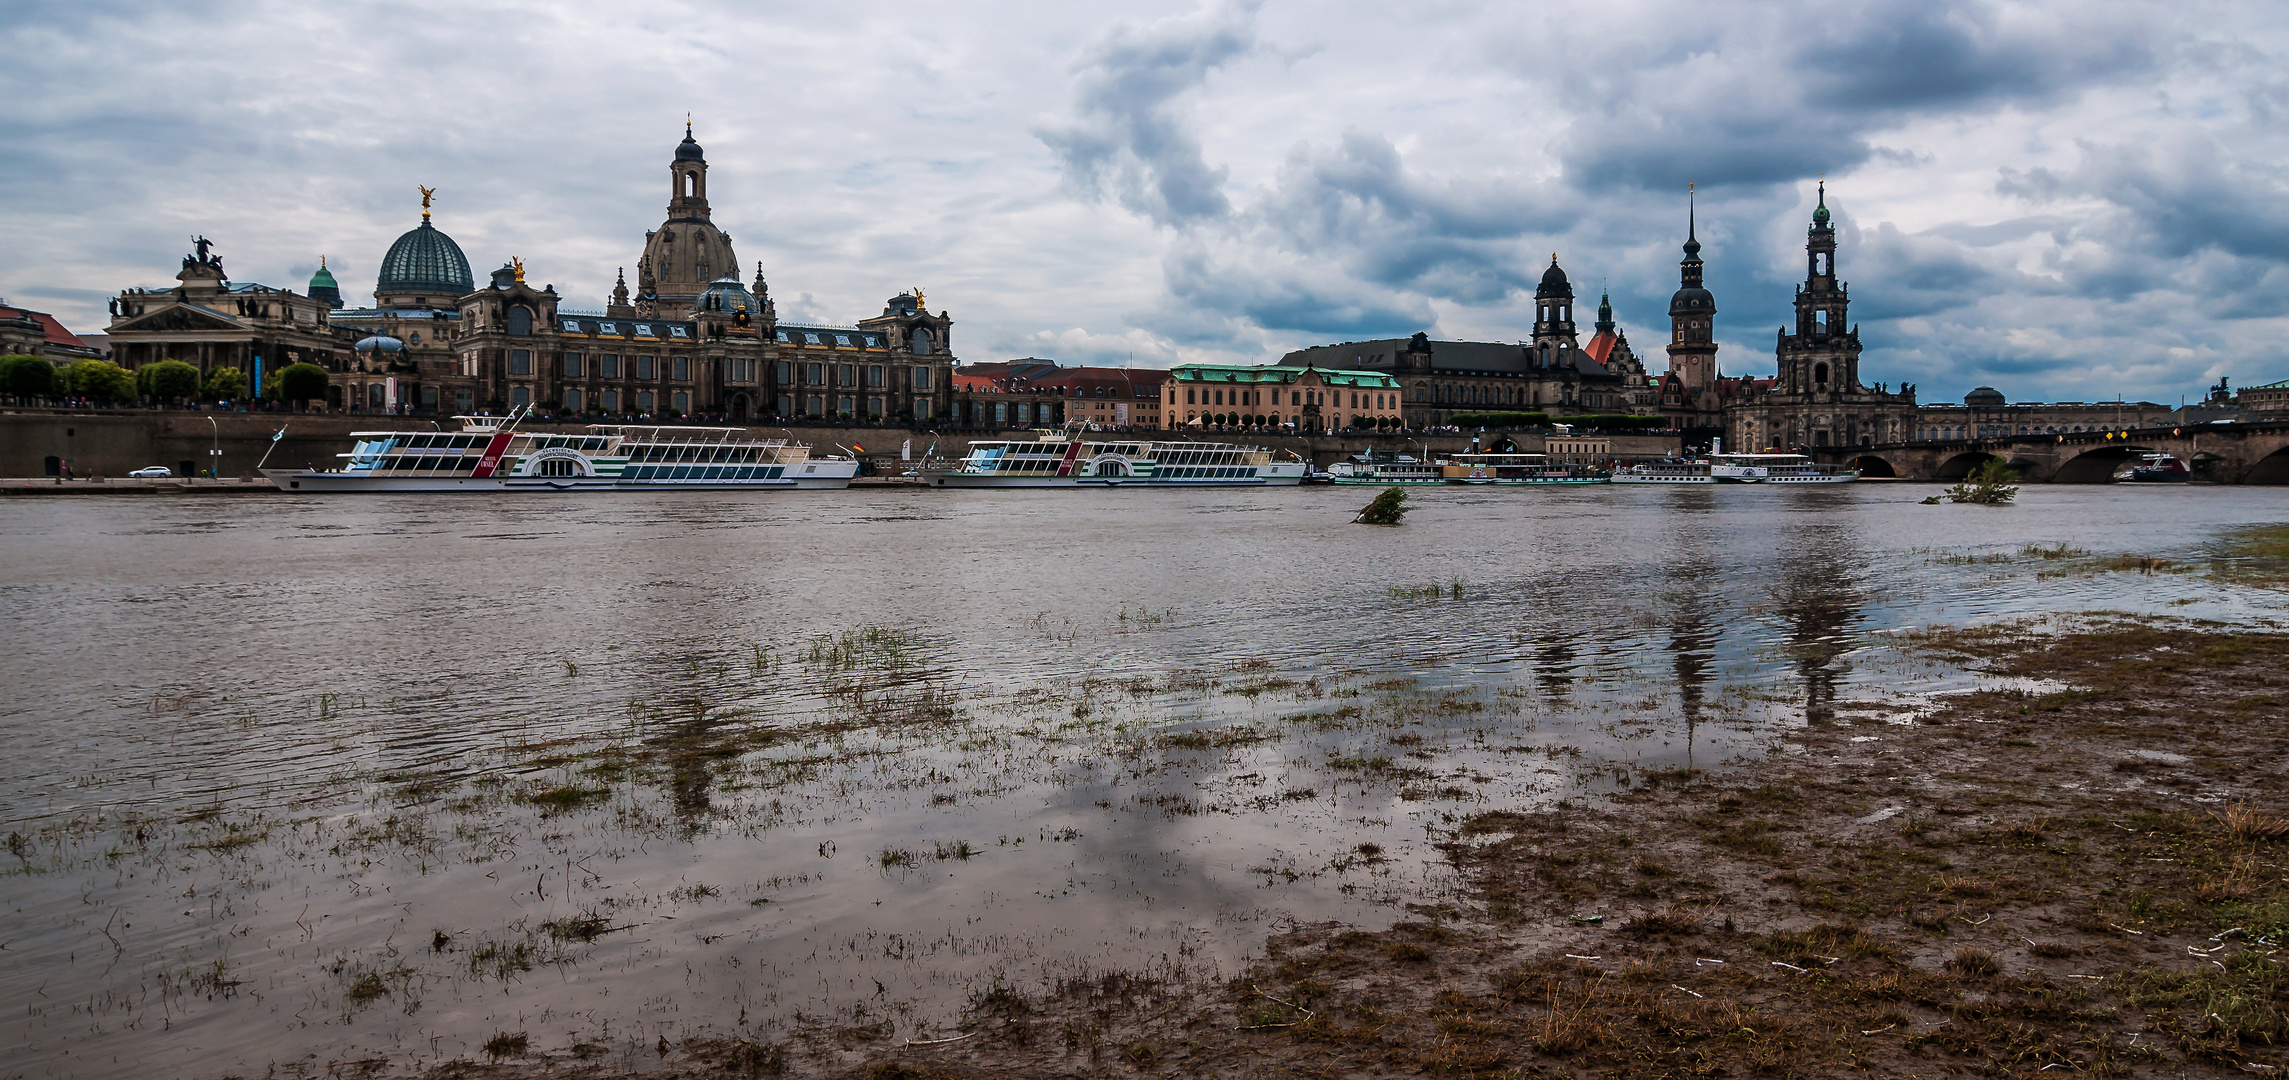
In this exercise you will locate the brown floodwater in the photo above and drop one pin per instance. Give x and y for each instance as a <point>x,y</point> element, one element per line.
<point>298,781</point>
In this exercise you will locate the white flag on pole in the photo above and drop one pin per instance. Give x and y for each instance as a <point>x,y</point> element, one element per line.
<point>906,450</point>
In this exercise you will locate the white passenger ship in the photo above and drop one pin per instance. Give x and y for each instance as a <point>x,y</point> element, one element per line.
<point>489,454</point>
<point>1505,469</point>
<point>1738,469</point>
<point>1058,459</point>
<point>1381,467</point>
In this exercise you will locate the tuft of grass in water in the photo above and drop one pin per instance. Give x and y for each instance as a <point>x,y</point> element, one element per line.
<point>504,1044</point>
<point>584,927</point>
<point>501,959</point>
<point>872,647</point>
<point>959,849</point>
<point>566,797</point>
<point>570,669</point>
<point>366,987</point>
<point>2147,564</point>
<point>2062,550</point>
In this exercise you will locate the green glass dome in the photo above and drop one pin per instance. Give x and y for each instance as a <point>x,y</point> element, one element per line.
<point>425,260</point>
<point>324,287</point>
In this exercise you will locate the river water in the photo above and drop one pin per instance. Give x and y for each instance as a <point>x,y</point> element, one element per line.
<point>300,781</point>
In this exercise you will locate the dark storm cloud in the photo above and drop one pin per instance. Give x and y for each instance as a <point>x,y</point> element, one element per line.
<point>1131,139</point>
<point>1801,88</point>
<point>1448,239</point>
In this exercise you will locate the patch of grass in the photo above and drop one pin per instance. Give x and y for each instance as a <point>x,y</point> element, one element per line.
<point>506,1044</point>
<point>565,797</point>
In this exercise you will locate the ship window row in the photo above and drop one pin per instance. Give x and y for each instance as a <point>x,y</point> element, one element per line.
<point>1201,473</point>
<point>423,464</point>
<point>702,472</point>
<point>698,454</point>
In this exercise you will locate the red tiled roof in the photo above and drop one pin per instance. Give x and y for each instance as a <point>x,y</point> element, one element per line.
<point>1601,345</point>
<point>55,332</point>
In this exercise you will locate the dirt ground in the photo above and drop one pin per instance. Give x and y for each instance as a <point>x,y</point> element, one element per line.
<point>2085,881</point>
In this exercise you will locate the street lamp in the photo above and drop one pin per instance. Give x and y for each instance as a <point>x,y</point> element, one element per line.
<point>215,455</point>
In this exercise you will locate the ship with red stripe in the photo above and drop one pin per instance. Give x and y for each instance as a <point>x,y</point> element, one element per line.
<point>1074,459</point>
<point>489,453</point>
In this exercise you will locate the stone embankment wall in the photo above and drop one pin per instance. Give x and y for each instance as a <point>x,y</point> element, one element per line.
<point>111,442</point>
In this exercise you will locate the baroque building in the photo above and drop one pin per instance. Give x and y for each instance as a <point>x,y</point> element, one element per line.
<point>1816,398</point>
<point>403,359</point>
<point>694,340</point>
<point>209,321</point>
<point>1552,372</point>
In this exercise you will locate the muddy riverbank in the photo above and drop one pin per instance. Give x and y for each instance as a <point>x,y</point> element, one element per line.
<point>2087,876</point>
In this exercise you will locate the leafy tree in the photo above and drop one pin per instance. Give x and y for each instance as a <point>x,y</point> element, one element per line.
<point>302,382</point>
<point>1991,484</point>
<point>224,384</point>
<point>167,380</point>
<point>27,376</point>
<point>1387,508</point>
<point>101,380</point>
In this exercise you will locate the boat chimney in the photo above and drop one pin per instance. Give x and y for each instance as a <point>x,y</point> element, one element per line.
<point>1717,445</point>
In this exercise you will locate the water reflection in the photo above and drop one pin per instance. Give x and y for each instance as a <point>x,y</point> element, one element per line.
<point>1015,776</point>
<point>1819,598</point>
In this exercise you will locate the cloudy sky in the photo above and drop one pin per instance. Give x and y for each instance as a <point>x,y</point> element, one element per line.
<point>2063,200</point>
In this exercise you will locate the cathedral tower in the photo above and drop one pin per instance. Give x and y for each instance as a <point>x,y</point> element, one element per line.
<point>687,251</point>
<point>1823,355</point>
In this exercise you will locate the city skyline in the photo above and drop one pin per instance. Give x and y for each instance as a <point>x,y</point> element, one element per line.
<point>2063,203</point>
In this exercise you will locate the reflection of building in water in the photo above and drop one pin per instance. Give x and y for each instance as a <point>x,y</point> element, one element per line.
<point>1820,598</point>
<point>1554,661</point>
<point>1692,647</point>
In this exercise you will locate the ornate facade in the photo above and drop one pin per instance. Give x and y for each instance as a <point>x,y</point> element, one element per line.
<point>1552,372</point>
<point>692,341</point>
<point>209,321</point>
<point>1816,398</point>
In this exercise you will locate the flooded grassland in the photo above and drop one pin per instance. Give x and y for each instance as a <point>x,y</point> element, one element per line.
<point>302,785</point>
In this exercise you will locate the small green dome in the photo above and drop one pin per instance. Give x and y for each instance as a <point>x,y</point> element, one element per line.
<point>323,287</point>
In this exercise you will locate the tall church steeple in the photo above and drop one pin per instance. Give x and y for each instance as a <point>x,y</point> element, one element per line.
<point>1693,316</point>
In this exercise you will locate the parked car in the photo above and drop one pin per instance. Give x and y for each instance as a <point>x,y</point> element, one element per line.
<point>155,470</point>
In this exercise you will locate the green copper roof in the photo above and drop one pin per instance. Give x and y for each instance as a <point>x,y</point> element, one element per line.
<point>323,279</point>
<point>425,260</point>
<point>1236,374</point>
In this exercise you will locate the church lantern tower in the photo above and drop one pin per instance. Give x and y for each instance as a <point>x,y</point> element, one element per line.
<point>687,252</point>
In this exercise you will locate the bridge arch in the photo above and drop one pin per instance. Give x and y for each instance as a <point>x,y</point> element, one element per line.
<point>1874,467</point>
<point>1960,466</point>
<point>2098,465</point>
<point>2273,468</point>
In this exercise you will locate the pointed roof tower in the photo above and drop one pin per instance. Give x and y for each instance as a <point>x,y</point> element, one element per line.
<point>1691,298</point>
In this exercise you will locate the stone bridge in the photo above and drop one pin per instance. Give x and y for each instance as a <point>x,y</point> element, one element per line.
<point>2220,453</point>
